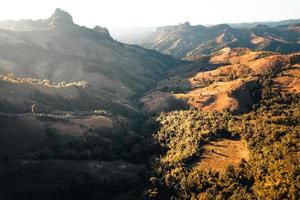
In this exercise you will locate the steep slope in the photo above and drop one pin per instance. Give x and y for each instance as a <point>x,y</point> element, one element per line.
<point>59,78</point>
<point>68,93</point>
<point>61,51</point>
<point>188,42</point>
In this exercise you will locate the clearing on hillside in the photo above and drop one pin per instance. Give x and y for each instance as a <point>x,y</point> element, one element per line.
<point>219,154</point>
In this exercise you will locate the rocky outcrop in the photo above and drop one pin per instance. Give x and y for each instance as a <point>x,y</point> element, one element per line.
<point>101,30</point>
<point>60,19</point>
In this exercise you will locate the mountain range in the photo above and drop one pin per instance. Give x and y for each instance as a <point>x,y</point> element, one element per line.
<point>188,42</point>
<point>186,112</point>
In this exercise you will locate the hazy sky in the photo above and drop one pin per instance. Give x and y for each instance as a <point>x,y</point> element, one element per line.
<point>143,13</point>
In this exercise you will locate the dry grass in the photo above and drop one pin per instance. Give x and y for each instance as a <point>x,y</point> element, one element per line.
<point>229,86</point>
<point>290,80</point>
<point>219,154</point>
<point>216,96</point>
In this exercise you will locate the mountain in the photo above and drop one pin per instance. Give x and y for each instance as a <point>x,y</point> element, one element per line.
<point>133,35</point>
<point>267,23</point>
<point>59,18</point>
<point>125,34</point>
<point>83,116</point>
<point>69,93</point>
<point>187,41</point>
<point>58,50</point>
<point>80,79</point>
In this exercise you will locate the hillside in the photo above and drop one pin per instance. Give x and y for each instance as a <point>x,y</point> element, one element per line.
<point>237,137</point>
<point>61,51</point>
<point>79,80</point>
<point>85,117</point>
<point>217,155</point>
<point>187,41</point>
<point>68,93</point>
<point>227,80</point>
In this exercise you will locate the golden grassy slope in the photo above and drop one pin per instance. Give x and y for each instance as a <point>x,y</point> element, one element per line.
<point>235,84</point>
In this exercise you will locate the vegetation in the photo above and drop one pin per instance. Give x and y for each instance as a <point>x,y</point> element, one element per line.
<point>101,145</point>
<point>271,131</point>
<point>79,140</point>
<point>13,79</point>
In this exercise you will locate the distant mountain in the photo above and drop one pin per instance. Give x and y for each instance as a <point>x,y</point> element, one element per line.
<point>127,34</point>
<point>59,18</point>
<point>188,42</point>
<point>267,23</point>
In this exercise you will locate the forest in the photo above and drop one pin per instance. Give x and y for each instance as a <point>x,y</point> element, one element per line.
<point>271,131</point>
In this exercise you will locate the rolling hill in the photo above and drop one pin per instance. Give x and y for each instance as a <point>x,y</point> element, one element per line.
<point>229,79</point>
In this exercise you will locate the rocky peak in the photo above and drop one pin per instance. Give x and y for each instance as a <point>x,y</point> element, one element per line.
<point>184,26</point>
<point>60,18</point>
<point>101,30</point>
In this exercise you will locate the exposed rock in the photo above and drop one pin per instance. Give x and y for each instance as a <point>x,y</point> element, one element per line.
<point>101,30</point>
<point>61,19</point>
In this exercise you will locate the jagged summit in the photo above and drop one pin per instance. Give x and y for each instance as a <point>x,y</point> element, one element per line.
<point>101,30</point>
<point>60,18</point>
<point>185,24</point>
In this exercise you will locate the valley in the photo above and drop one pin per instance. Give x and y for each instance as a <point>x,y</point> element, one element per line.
<point>195,112</point>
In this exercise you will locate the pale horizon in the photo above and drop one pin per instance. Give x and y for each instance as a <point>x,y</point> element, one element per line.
<point>139,13</point>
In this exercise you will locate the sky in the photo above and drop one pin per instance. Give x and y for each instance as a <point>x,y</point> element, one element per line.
<point>149,13</point>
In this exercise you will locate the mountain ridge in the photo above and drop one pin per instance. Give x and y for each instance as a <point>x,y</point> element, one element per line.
<point>185,41</point>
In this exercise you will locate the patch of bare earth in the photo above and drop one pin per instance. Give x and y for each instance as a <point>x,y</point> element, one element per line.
<point>289,81</point>
<point>219,95</point>
<point>219,154</point>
